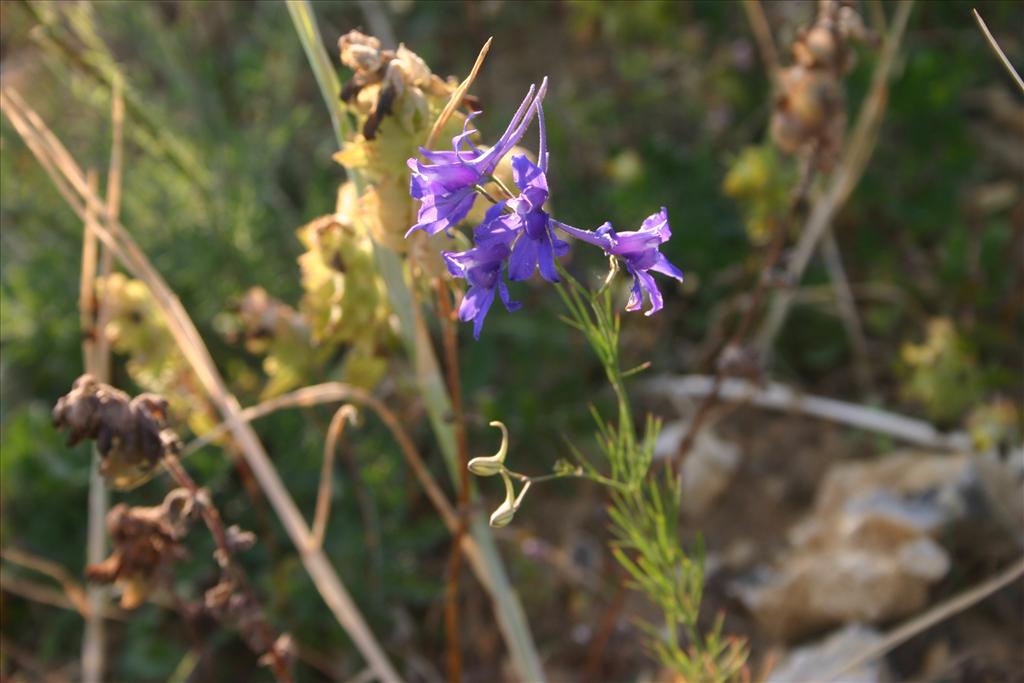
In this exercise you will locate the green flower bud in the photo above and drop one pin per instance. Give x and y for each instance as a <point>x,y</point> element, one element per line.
<point>488,466</point>
<point>507,510</point>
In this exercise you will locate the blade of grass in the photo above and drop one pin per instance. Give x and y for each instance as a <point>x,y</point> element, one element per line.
<point>323,70</point>
<point>93,636</point>
<point>490,570</point>
<point>71,182</point>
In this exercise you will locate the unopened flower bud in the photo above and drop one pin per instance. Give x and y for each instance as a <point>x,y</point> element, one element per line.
<point>488,466</point>
<point>507,510</point>
<point>503,515</point>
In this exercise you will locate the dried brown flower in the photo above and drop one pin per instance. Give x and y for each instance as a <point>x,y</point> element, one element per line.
<point>130,433</point>
<point>810,108</point>
<point>146,542</point>
<point>383,77</point>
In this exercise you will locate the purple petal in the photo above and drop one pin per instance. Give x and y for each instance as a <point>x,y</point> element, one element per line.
<point>636,296</point>
<point>663,266</point>
<point>524,259</point>
<point>542,150</point>
<point>510,305</point>
<point>531,181</point>
<point>487,162</point>
<point>474,307</point>
<point>546,260</point>
<point>594,238</point>
<point>647,282</point>
<point>657,224</point>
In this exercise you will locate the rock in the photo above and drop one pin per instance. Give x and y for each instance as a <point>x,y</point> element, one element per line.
<point>1002,479</point>
<point>707,469</point>
<point>818,660</point>
<point>867,552</point>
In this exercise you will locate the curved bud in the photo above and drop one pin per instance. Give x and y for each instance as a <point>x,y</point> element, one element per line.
<point>488,466</point>
<point>507,510</point>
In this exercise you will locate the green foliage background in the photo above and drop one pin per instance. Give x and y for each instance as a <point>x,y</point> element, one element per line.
<point>229,151</point>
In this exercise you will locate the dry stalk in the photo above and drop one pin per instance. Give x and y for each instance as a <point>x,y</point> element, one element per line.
<point>847,174</point>
<point>72,590</point>
<point>44,595</point>
<point>933,616</point>
<point>738,337</point>
<point>998,50</point>
<point>762,31</point>
<point>776,396</point>
<point>94,349</point>
<point>451,353</point>
<point>70,181</point>
<point>346,413</point>
<point>456,99</point>
<point>830,250</point>
<point>847,308</point>
<point>225,558</point>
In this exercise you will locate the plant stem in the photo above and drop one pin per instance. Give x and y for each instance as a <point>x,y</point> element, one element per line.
<point>451,352</point>
<point>489,567</point>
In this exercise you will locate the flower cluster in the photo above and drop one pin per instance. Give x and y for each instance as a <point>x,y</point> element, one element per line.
<point>517,236</point>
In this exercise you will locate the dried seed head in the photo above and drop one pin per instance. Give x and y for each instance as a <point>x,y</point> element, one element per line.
<point>239,540</point>
<point>130,434</point>
<point>145,545</point>
<point>359,51</point>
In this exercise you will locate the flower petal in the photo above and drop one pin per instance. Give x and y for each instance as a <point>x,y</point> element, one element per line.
<point>524,258</point>
<point>647,282</point>
<point>531,181</point>
<point>475,306</point>
<point>663,266</point>
<point>506,299</point>
<point>546,260</point>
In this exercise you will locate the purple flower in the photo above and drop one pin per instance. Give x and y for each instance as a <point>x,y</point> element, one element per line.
<point>535,243</point>
<point>481,266</point>
<point>445,185</point>
<point>639,250</point>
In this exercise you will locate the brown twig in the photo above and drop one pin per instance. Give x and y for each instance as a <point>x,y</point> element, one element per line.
<point>27,661</point>
<point>44,595</point>
<point>94,350</point>
<point>998,50</point>
<point>451,355</point>
<point>457,96</point>
<point>848,172</point>
<point>707,405</point>
<point>847,308</point>
<point>74,592</point>
<point>598,647</point>
<point>762,31</point>
<point>776,396</point>
<point>933,616</point>
<point>70,182</point>
<point>346,413</point>
<point>225,558</point>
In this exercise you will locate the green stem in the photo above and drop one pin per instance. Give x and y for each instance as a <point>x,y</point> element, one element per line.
<point>416,339</point>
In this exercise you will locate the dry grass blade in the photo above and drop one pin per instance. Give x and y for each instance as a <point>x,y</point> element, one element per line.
<point>776,396</point>
<point>44,595</point>
<point>998,50</point>
<point>74,592</point>
<point>763,37</point>
<point>96,545</point>
<point>848,172</point>
<point>346,413</point>
<point>71,182</point>
<point>456,98</point>
<point>847,308</point>
<point>334,392</point>
<point>935,615</point>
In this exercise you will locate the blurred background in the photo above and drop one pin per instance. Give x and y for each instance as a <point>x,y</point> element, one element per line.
<point>228,152</point>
